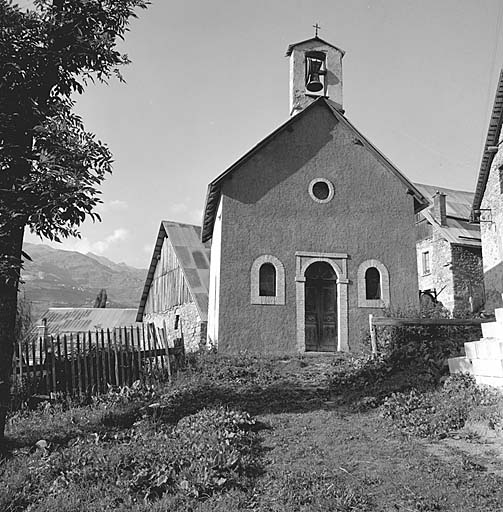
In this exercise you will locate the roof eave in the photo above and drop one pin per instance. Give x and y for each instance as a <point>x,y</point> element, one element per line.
<point>315,38</point>
<point>492,139</point>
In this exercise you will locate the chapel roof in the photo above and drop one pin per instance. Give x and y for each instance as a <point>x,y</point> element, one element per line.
<point>492,139</point>
<point>193,257</point>
<point>214,188</point>
<point>458,229</point>
<point>316,39</point>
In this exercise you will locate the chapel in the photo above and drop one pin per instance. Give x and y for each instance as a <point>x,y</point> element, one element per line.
<point>312,230</point>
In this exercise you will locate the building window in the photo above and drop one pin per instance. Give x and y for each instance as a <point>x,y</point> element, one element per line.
<point>321,190</point>
<point>267,281</point>
<point>426,262</point>
<point>373,285</point>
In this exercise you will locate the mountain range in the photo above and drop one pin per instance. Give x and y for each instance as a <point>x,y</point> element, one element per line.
<point>57,278</point>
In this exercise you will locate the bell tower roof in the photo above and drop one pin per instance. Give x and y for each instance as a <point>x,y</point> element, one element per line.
<point>314,39</point>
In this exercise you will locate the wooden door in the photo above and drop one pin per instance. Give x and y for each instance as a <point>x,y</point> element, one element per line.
<point>320,308</point>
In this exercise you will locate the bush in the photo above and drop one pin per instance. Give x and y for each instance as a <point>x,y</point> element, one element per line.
<point>436,413</point>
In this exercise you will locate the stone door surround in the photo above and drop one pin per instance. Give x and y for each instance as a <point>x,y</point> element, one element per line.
<point>338,261</point>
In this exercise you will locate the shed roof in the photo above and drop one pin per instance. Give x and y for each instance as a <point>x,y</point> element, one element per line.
<point>492,139</point>
<point>67,320</point>
<point>193,257</point>
<point>458,229</point>
<point>214,188</point>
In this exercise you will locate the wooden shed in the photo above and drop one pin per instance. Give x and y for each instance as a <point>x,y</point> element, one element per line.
<point>177,284</point>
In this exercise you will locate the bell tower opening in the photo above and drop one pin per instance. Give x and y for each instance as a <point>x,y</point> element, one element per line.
<point>315,70</point>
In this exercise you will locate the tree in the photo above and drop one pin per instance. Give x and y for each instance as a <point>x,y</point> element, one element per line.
<point>101,299</point>
<point>50,166</point>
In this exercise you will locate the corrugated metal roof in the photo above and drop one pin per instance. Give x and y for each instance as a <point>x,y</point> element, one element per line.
<point>492,139</point>
<point>194,259</point>
<point>458,202</point>
<point>458,207</point>
<point>67,320</point>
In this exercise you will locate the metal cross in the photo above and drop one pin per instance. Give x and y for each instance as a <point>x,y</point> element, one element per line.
<point>316,28</point>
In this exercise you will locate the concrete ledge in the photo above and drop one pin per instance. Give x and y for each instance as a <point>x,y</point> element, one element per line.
<point>498,313</point>
<point>471,349</point>
<point>460,365</point>
<point>492,330</point>
<point>496,382</point>
<point>488,367</point>
<point>489,349</point>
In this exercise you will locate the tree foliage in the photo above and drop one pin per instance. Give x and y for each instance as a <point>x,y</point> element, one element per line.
<point>51,168</point>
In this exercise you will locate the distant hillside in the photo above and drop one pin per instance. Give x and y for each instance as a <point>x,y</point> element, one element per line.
<point>57,278</point>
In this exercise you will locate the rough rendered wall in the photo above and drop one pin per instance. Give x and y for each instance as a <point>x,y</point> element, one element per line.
<point>194,331</point>
<point>468,280</point>
<point>267,210</point>
<point>440,278</point>
<point>491,229</point>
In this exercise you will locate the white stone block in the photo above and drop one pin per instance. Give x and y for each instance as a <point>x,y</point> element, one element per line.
<point>489,348</point>
<point>488,367</point>
<point>460,365</point>
<point>499,317</point>
<point>496,382</point>
<point>471,349</point>
<point>492,330</point>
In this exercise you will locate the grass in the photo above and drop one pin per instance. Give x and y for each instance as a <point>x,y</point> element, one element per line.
<point>296,434</point>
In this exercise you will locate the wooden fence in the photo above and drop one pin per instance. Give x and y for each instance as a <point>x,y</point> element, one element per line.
<point>86,363</point>
<point>402,322</point>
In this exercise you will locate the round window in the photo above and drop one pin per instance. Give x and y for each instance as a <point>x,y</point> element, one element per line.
<point>321,190</point>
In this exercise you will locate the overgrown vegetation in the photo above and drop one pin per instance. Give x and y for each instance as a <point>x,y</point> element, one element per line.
<point>439,412</point>
<point>264,434</point>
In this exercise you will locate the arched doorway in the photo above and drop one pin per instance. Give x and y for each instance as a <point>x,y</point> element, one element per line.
<point>320,308</point>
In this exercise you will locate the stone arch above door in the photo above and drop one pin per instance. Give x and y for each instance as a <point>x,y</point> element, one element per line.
<point>338,261</point>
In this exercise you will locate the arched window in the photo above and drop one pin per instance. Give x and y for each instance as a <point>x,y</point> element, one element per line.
<point>267,280</point>
<point>372,284</point>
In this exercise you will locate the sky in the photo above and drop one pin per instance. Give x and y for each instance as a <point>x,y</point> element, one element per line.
<point>208,80</point>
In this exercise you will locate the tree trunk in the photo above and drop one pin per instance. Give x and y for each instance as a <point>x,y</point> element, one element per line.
<point>10,248</point>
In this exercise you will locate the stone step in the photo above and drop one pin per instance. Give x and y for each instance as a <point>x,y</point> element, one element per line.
<point>488,367</point>
<point>486,348</point>
<point>496,382</point>
<point>460,365</point>
<point>492,330</point>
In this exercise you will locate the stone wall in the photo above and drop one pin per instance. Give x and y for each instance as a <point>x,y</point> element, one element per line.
<point>491,229</point>
<point>194,330</point>
<point>440,277</point>
<point>468,277</point>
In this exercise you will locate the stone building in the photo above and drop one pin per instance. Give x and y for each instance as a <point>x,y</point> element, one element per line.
<point>311,230</point>
<point>175,295</point>
<point>484,357</point>
<point>488,204</point>
<point>449,253</point>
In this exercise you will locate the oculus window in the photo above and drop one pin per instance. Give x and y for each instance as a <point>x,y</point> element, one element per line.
<point>321,190</point>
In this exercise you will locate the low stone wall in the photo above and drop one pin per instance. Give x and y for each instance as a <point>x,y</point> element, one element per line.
<point>194,330</point>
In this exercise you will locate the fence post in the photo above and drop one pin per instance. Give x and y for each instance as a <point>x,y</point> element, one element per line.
<point>373,337</point>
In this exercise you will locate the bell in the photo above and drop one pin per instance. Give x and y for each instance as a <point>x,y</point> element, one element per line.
<point>313,82</point>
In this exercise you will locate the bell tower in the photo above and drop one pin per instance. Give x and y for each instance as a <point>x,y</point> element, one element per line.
<point>315,70</point>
